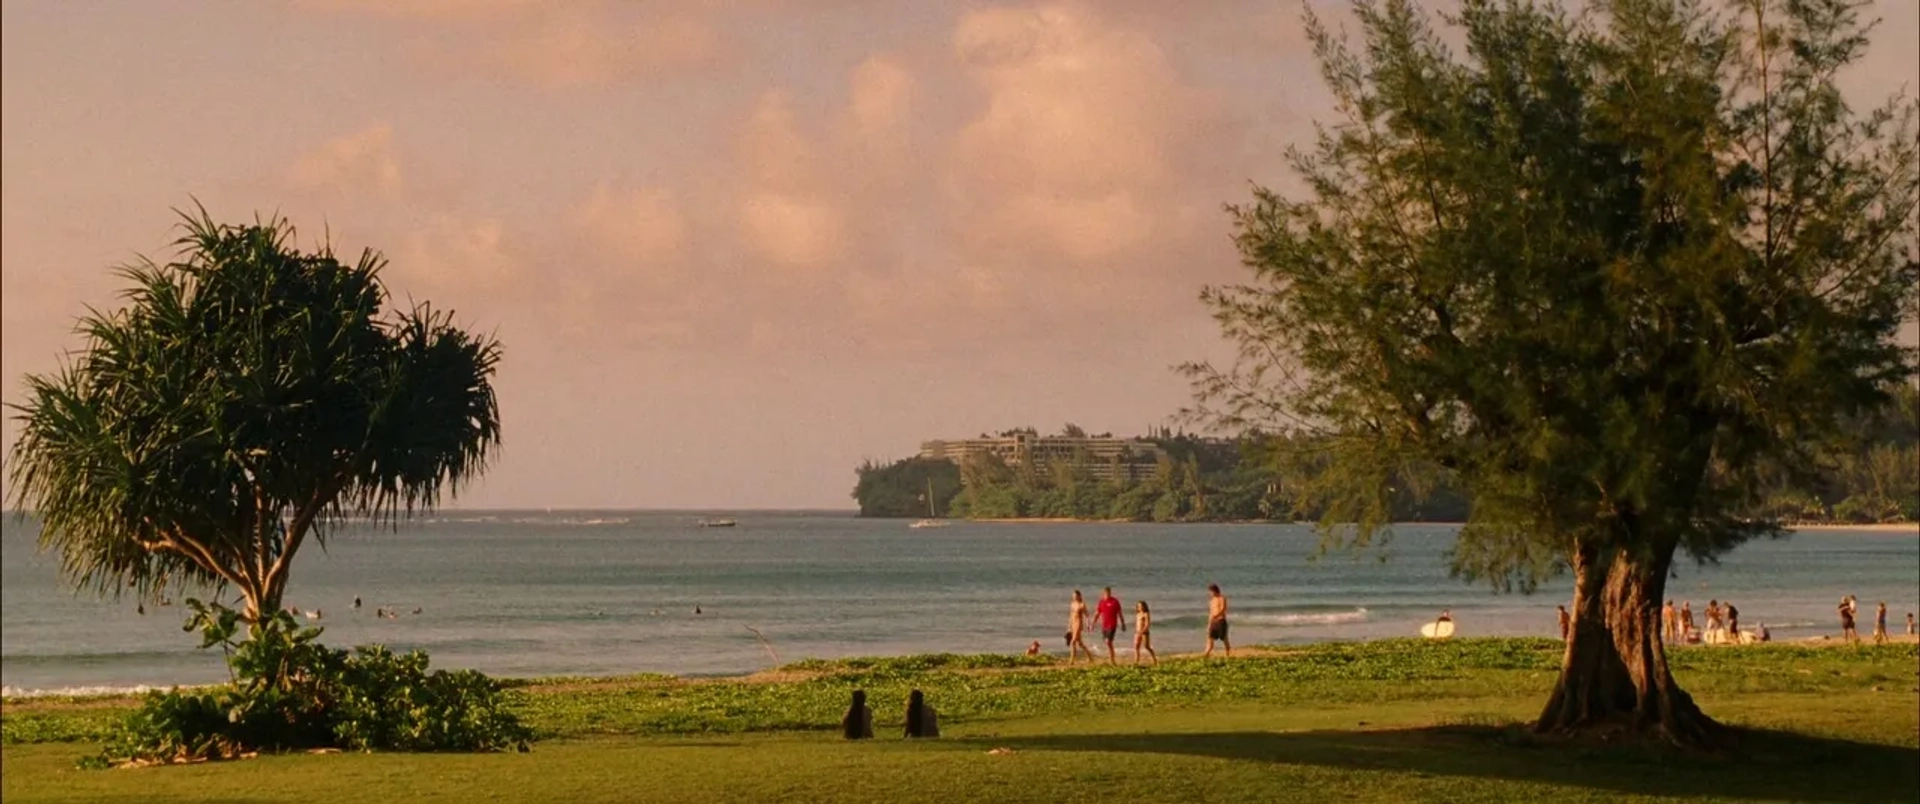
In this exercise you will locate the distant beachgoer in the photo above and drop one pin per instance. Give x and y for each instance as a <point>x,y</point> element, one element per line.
<point>1847,631</point>
<point>921,720</point>
<point>1670,620</point>
<point>1034,649</point>
<point>1765,635</point>
<point>1910,625</point>
<point>1110,620</point>
<point>1733,620</point>
<point>1446,616</point>
<point>1713,616</point>
<point>416,609</point>
<point>1880,624</point>
<point>696,609</point>
<point>1566,623</point>
<point>1216,620</point>
<point>1076,628</point>
<point>1686,621</point>
<point>858,723</point>
<point>356,603</point>
<point>1143,632</point>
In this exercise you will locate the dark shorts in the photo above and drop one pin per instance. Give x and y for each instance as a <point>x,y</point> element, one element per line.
<point>1217,629</point>
<point>1107,633</point>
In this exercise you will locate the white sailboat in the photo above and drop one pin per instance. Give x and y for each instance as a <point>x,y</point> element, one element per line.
<point>930,521</point>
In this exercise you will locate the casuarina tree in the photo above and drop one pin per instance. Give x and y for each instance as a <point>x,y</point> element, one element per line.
<point>1606,269</point>
<point>248,397</point>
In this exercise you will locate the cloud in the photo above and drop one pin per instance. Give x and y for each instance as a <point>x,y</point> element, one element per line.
<point>427,9</point>
<point>361,160</point>
<point>881,94</point>
<point>576,49</point>
<point>1080,146</point>
<point>644,224</point>
<point>791,230</point>
<point>565,44</point>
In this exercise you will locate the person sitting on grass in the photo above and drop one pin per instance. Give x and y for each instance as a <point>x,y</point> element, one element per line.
<point>858,724</point>
<point>921,720</point>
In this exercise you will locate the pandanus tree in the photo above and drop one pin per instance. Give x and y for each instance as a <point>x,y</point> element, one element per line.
<point>248,398</point>
<point>1605,269</point>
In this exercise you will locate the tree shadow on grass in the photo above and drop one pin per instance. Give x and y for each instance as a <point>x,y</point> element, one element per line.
<point>1765,765</point>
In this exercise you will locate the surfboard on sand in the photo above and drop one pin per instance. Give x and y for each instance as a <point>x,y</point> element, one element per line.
<point>1438,629</point>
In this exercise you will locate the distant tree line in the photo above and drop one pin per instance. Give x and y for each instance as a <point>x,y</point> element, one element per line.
<point>1873,478</point>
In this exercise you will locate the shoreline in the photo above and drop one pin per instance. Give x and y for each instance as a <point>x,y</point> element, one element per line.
<point>1904,528</point>
<point>106,695</point>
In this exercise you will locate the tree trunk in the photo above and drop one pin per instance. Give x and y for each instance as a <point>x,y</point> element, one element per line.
<point>1614,676</point>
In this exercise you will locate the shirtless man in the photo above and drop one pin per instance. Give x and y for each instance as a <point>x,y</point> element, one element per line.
<point>1216,620</point>
<point>1671,620</point>
<point>1076,626</point>
<point>1686,620</point>
<point>1566,623</point>
<point>1110,620</point>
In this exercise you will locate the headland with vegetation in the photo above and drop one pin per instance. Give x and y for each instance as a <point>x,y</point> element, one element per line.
<point>1873,477</point>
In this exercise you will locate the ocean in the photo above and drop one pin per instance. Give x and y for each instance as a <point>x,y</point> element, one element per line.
<point>602,593</point>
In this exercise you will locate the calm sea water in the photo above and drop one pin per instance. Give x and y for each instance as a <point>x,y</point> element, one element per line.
<point>530,593</point>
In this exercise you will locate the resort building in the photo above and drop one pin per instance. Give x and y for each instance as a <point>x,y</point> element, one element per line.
<point>1105,458</point>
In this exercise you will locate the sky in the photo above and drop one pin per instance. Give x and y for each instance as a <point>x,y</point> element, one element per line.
<point>732,249</point>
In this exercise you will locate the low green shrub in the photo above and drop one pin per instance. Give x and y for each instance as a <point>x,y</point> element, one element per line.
<point>289,692</point>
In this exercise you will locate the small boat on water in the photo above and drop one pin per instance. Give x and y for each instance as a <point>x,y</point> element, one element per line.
<point>930,521</point>
<point>717,523</point>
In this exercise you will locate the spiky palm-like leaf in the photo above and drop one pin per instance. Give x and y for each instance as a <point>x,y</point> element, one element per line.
<point>247,396</point>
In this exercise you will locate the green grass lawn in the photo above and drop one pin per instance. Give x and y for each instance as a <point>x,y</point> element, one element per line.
<point>1391,721</point>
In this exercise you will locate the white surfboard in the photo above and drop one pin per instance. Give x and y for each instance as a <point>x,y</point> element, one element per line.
<point>1438,629</point>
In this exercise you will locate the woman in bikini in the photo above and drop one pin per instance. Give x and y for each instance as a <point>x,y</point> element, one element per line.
<point>1142,632</point>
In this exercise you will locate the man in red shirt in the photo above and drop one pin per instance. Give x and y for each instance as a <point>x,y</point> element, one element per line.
<point>1110,621</point>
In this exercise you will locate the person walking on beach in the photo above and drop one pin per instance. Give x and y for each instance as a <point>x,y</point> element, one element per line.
<point>1880,624</point>
<point>1670,619</point>
<point>1216,620</point>
<point>1110,619</point>
<point>1566,623</point>
<point>1910,629</point>
<point>1143,632</point>
<point>1686,620</point>
<point>1713,616</point>
<point>1076,628</point>
<point>1847,631</point>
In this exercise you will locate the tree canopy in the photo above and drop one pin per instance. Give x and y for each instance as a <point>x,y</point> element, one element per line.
<point>1613,271</point>
<point>249,395</point>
